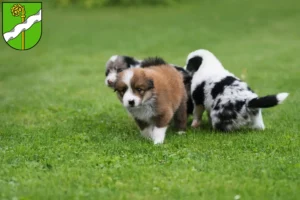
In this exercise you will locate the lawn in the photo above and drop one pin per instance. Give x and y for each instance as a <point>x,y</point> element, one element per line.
<point>64,134</point>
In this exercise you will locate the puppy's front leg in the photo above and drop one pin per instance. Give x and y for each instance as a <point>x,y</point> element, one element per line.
<point>197,114</point>
<point>145,128</point>
<point>209,117</point>
<point>147,132</point>
<point>257,121</point>
<point>161,125</point>
<point>158,134</point>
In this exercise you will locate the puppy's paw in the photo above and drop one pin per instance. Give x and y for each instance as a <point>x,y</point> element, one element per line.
<point>195,124</point>
<point>157,142</point>
<point>158,135</point>
<point>181,132</point>
<point>146,133</point>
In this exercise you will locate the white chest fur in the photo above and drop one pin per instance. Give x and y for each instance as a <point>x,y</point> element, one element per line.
<point>145,112</point>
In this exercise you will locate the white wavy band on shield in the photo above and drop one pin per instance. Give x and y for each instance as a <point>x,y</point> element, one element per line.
<point>23,26</point>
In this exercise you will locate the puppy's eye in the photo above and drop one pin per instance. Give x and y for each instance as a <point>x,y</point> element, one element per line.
<point>119,70</point>
<point>139,90</point>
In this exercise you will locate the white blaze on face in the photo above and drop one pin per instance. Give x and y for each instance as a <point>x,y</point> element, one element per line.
<point>129,98</point>
<point>111,77</point>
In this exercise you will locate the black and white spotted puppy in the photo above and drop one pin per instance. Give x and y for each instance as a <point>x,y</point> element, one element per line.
<point>118,63</point>
<point>229,102</point>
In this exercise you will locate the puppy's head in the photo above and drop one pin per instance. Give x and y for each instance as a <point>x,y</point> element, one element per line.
<point>202,58</point>
<point>117,64</point>
<point>134,88</point>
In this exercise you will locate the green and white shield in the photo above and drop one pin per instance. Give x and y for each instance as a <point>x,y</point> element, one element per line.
<point>22,24</point>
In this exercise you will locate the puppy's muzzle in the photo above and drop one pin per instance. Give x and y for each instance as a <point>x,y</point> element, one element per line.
<point>131,103</point>
<point>110,83</point>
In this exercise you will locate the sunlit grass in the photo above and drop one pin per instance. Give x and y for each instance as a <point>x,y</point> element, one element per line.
<point>64,135</point>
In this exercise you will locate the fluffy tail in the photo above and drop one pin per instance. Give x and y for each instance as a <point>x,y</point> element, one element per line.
<point>267,101</point>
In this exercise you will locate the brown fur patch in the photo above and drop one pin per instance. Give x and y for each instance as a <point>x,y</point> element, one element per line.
<point>120,86</point>
<point>141,85</point>
<point>166,84</point>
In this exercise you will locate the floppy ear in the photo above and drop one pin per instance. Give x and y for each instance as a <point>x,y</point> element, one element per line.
<point>194,64</point>
<point>150,84</point>
<point>153,61</point>
<point>130,61</point>
<point>116,83</point>
<point>186,77</point>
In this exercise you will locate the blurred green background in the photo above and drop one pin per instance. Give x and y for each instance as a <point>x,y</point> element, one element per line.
<point>65,135</point>
<point>88,4</point>
<point>104,3</point>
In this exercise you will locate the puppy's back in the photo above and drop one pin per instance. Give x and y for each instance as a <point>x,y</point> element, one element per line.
<point>168,84</point>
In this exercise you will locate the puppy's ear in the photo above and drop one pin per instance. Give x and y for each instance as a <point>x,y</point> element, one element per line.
<point>187,78</point>
<point>194,64</point>
<point>150,84</point>
<point>130,61</point>
<point>152,61</point>
<point>118,80</point>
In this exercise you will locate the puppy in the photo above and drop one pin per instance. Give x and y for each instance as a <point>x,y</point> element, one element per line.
<point>229,102</point>
<point>118,63</point>
<point>115,65</point>
<point>153,95</point>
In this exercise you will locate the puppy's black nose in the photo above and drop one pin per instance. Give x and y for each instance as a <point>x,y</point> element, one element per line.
<point>110,83</point>
<point>131,102</point>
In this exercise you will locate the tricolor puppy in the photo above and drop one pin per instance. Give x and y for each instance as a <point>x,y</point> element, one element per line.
<point>115,65</point>
<point>118,63</point>
<point>230,103</point>
<point>153,94</point>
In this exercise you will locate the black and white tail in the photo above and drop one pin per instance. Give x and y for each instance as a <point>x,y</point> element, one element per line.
<point>267,101</point>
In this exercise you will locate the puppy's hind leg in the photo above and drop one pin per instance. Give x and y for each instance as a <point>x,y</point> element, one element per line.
<point>197,115</point>
<point>257,121</point>
<point>180,118</point>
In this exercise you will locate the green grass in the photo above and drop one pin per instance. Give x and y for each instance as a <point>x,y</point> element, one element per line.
<point>64,135</point>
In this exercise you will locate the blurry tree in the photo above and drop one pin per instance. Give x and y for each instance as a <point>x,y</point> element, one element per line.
<point>102,3</point>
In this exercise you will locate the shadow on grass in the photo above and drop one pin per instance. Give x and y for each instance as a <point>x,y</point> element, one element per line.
<point>119,127</point>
